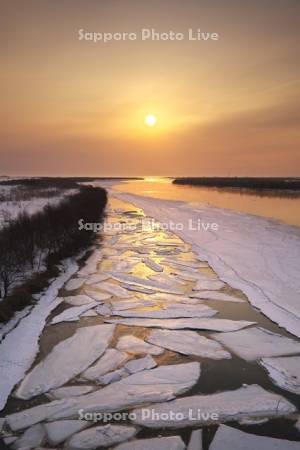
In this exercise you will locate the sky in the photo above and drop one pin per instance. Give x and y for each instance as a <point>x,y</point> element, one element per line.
<point>224,107</point>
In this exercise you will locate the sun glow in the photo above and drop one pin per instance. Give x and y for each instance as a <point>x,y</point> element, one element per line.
<point>150,120</point>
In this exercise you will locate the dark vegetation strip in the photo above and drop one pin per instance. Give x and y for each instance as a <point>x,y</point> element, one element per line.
<point>242,182</point>
<point>47,238</point>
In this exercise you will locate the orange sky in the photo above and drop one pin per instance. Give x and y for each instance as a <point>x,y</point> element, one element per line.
<point>226,107</point>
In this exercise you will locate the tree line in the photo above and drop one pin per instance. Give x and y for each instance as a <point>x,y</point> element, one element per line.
<point>35,244</point>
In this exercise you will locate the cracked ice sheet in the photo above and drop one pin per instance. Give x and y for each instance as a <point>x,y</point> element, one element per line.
<point>177,310</point>
<point>246,402</point>
<point>285,372</point>
<point>258,342</point>
<point>17,359</point>
<point>188,343</point>
<point>254,254</point>
<point>228,438</point>
<point>67,359</point>
<point>156,385</point>
<point>225,325</point>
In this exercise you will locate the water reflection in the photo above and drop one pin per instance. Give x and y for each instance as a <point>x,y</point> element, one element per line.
<point>285,208</point>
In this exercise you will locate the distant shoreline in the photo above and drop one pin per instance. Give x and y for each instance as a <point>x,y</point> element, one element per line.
<point>288,187</point>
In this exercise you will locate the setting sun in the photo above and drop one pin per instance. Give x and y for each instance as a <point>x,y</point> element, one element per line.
<point>150,120</point>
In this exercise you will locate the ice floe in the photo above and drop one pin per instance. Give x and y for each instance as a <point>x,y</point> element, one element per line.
<point>155,385</point>
<point>228,438</point>
<point>213,285</point>
<point>90,313</point>
<point>153,265</point>
<point>136,288</point>
<point>137,346</point>
<point>284,371</point>
<point>188,343</point>
<point>69,391</point>
<point>130,304</point>
<point>67,359</point>
<point>74,283</point>
<point>59,431</point>
<point>219,296</point>
<point>195,442</point>
<point>103,310</point>
<point>33,437</point>
<point>176,310</point>
<point>97,278</point>
<point>97,295</point>
<point>113,289</point>
<point>72,314</point>
<point>101,436</point>
<point>246,402</point>
<point>136,281</point>
<point>160,443</point>
<point>112,377</point>
<point>137,365</point>
<point>178,324</point>
<point>78,300</point>
<point>111,360</point>
<point>257,343</point>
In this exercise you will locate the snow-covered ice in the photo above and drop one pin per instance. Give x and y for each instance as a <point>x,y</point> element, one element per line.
<point>246,402</point>
<point>58,432</point>
<point>160,443</point>
<point>284,371</point>
<point>67,359</point>
<point>225,325</point>
<point>72,314</point>
<point>96,278</point>
<point>69,391</point>
<point>155,385</point>
<point>153,265</point>
<point>257,343</point>
<point>113,289</point>
<point>101,436</point>
<point>103,310</point>
<point>74,283</point>
<point>33,437</point>
<point>228,438</point>
<point>97,295</point>
<point>188,343</point>
<point>112,377</point>
<point>212,285</point>
<point>137,346</point>
<point>137,365</point>
<point>213,295</point>
<point>145,282</point>
<point>111,360</point>
<point>177,310</point>
<point>195,442</point>
<point>78,300</point>
<point>17,359</point>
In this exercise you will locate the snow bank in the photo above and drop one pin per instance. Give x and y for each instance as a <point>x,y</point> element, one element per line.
<point>17,359</point>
